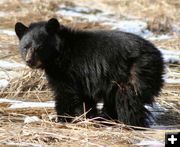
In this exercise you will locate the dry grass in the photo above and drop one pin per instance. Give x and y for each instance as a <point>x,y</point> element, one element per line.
<point>82,134</point>
<point>161,15</point>
<point>87,132</point>
<point>32,85</point>
<point>171,44</point>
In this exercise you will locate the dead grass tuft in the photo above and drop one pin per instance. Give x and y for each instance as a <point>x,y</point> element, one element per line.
<point>85,133</point>
<point>160,24</point>
<point>160,15</point>
<point>31,84</point>
<point>170,44</point>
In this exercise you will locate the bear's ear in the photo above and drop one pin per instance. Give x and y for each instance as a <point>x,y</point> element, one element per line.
<point>52,25</point>
<point>20,29</point>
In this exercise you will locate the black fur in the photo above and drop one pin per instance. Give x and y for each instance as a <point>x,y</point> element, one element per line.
<point>120,69</point>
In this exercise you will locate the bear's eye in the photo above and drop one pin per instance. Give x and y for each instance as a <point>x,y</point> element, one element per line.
<point>26,47</point>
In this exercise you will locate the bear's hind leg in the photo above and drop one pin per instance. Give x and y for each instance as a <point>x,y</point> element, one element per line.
<point>130,109</point>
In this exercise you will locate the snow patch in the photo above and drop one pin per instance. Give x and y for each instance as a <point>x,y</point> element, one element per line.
<point>20,104</point>
<point>160,37</point>
<point>151,143</point>
<point>7,32</point>
<point>3,83</point>
<point>3,14</point>
<point>94,15</point>
<point>26,1</point>
<point>133,26</point>
<point>3,1</point>
<point>84,13</point>
<point>48,104</point>
<point>31,119</point>
<point>172,81</point>
<point>170,56</point>
<point>9,75</point>
<point>10,65</point>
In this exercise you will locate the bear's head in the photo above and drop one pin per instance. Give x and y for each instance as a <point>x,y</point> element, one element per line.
<point>39,43</point>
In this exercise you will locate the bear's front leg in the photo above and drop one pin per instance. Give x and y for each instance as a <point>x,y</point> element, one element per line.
<point>68,106</point>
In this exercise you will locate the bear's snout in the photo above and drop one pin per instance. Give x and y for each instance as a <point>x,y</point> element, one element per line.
<point>32,59</point>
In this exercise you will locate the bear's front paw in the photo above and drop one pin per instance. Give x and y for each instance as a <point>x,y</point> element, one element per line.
<point>64,119</point>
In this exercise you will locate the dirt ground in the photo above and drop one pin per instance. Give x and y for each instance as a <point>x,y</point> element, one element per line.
<point>27,85</point>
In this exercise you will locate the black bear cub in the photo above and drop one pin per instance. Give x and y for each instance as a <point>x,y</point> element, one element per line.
<point>112,74</point>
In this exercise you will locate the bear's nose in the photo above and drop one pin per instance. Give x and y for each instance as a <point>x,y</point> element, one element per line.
<point>29,62</point>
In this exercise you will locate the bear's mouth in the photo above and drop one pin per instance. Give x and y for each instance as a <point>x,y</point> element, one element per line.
<point>32,59</point>
<point>34,65</point>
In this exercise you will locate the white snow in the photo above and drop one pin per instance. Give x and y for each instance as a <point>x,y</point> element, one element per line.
<point>10,65</point>
<point>3,14</point>
<point>21,104</point>
<point>3,83</point>
<point>3,100</point>
<point>73,11</point>
<point>26,1</point>
<point>8,32</point>
<point>84,13</point>
<point>20,144</point>
<point>170,56</point>
<point>152,143</point>
<point>8,71</point>
<point>31,119</point>
<point>9,75</point>
<point>172,81</point>
<point>32,105</point>
<point>160,37</point>
<point>133,26</point>
<point>2,1</point>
